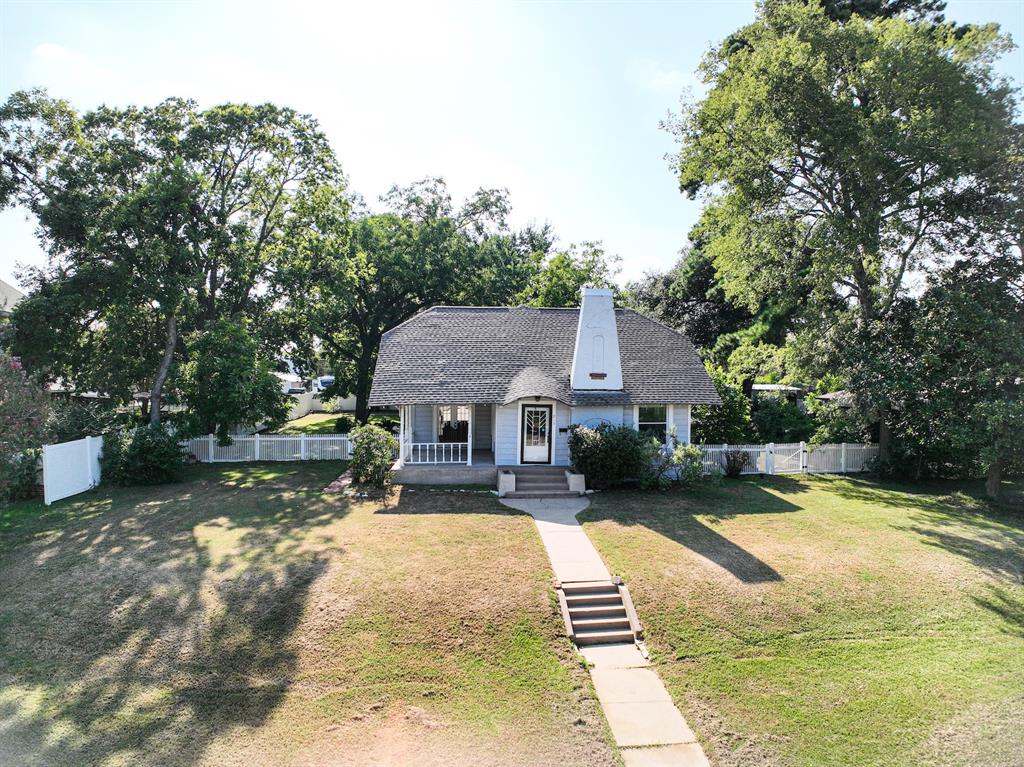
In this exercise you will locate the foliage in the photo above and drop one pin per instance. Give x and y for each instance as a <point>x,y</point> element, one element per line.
<point>560,278</point>
<point>158,221</point>
<point>946,362</point>
<point>777,419</point>
<point>227,383</point>
<point>144,455</point>
<point>76,419</point>
<point>735,462</point>
<point>24,409</point>
<point>729,423</point>
<point>20,476</point>
<point>674,464</point>
<point>689,299</point>
<point>836,424</point>
<point>373,454</point>
<point>841,148</point>
<point>609,456</point>
<point>351,276</point>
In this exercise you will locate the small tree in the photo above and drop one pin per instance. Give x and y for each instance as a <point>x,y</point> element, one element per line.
<point>145,455</point>
<point>728,423</point>
<point>373,453</point>
<point>24,409</point>
<point>227,382</point>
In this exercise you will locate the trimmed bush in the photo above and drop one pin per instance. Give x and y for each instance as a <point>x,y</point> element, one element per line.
<point>735,462</point>
<point>667,466</point>
<point>145,455</point>
<point>609,456</point>
<point>373,453</point>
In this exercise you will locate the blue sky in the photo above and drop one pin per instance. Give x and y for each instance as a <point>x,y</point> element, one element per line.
<point>558,102</point>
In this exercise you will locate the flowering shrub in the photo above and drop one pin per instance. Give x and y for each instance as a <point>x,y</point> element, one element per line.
<point>24,408</point>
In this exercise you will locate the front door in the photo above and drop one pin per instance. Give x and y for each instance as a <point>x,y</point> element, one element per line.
<point>536,434</point>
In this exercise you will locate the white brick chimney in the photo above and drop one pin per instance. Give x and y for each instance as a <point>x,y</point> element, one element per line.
<point>595,361</point>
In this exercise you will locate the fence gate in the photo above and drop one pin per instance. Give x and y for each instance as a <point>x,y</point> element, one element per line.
<point>788,458</point>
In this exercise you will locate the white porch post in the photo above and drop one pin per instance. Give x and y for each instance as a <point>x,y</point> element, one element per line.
<point>401,435</point>
<point>469,438</point>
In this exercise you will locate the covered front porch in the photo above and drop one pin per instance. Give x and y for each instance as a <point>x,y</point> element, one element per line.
<point>446,434</point>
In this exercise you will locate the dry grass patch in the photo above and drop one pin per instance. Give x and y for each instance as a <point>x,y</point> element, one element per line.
<point>243,617</point>
<point>829,621</point>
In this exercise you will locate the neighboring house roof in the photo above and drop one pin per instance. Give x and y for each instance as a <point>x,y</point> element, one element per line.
<point>776,388</point>
<point>497,355</point>
<point>9,296</point>
<point>842,398</point>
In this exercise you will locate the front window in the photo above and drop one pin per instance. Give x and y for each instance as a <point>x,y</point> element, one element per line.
<point>453,423</point>
<point>652,420</point>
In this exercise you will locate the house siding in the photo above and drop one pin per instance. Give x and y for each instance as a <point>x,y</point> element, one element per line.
<point>597,414</point>
<point>423,423</point>
<point>682,422</point>
<point>627,416</point>
<point>506,425</point>
<point>563,417</point>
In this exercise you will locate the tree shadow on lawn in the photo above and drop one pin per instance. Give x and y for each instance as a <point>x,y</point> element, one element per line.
<point>443,499</point>
<point>151,620</point>
<point>674,516</point>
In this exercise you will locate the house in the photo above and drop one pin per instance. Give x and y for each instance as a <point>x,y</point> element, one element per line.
<point>794,394</point>
<point>480,389</point>
<point>9,297</point>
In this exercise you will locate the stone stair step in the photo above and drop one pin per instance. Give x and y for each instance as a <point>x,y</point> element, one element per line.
<point>603,637</point>
<point>534,485</point>
<point>592,600</point>
<point>597,611</point>
<point>543,494</point>
<point>588,587</point>
<point>603,624</point>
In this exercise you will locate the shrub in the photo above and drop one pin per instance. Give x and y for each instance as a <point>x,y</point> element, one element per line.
<point>779,420</point>
<point>373,453</point>
<point>735,462</point>
<point>24,409</point>
<point>727,423</point>
<point>609,455</point>
<point>22,476</point>
<point>344,424</point>
<point>145,455</point>
<point>681,465</point>
<point>77,419</point>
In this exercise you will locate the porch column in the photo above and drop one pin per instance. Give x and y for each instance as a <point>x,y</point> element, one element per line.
<point>401,435</point>
<point>469,438</point>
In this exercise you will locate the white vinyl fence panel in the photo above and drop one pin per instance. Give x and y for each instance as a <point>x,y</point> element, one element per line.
<point>271,447</point>
<point>792,458</point>
<point>70,468</point>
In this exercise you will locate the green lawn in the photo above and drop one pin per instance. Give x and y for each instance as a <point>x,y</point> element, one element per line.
<point>314,423</point>
<point>830,621</point>
<point>327,423</point>
<point>244,617</point>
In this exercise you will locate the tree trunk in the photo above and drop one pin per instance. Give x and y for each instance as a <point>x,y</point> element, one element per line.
<point>364,377</point>
<point>884,435</point>
<point>994,479</point>
<point>156,393</point>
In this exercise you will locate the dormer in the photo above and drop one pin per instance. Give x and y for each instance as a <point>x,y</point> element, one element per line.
<point>595,361</point>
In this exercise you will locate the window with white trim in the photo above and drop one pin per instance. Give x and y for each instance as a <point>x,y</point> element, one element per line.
<point>653,421</point>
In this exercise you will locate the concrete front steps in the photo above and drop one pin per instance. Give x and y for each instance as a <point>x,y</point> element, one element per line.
<point>598,612</point>
<point>541,482</point>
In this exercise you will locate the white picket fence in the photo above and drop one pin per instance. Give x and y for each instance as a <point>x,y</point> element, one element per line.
<point>70,468</point>
<point>793,458</point>
<point>271,447</point>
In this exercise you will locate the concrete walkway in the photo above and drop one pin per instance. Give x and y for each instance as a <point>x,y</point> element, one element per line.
<point>646,725</point>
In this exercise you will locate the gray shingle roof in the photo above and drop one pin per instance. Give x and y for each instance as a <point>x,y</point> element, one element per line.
<point>469,354</point>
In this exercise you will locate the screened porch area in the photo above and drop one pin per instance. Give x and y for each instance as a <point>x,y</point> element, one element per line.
<point>446,434</point>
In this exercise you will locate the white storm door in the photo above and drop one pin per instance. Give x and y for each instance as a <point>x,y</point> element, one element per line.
<point>536,434</point>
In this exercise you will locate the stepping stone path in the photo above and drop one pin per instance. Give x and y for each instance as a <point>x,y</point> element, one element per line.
<point>646,725</point>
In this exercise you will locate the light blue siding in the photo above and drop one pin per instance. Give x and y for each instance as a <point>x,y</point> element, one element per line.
<point>593,416</point>
<point>423,429</point>
<point>505,427</point>
<point>560,453</point>
<point>627,416</point>
<point>681,420</point>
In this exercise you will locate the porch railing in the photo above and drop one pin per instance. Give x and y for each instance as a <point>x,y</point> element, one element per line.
<point>437,452</point>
